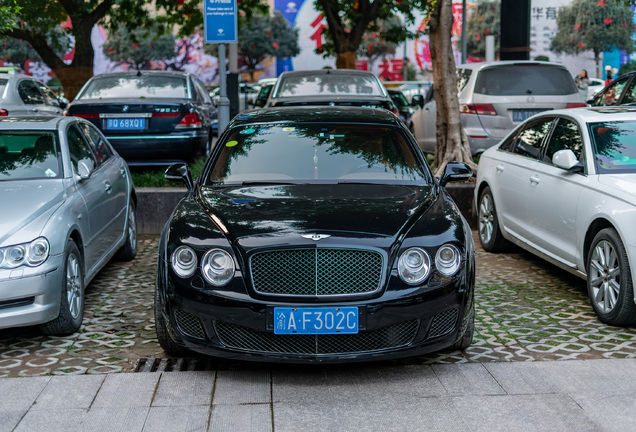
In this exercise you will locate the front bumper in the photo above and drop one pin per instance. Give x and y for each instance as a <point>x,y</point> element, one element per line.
<point>394,325</point>
<point>31,296</point>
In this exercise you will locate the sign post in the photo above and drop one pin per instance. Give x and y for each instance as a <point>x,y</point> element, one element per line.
<point>220,27</point>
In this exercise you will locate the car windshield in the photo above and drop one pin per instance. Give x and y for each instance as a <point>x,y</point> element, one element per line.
<point>137,87</point>
<point>3,85</point>
<point>614,145</point>
<point>399,99</point>
<point>329,85</point>
<point>29,155</point>
<point>524,80</point>
<point>316,152</point>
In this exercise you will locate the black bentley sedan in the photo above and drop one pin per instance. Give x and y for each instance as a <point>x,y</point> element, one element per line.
<point>150,117</point>
<point>315,234</point>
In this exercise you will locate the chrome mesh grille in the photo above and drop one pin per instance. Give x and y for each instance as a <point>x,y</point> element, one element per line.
<point>316,271</point>
<point>189,324</point>
<point>443,323</point>
<point>245,339</point>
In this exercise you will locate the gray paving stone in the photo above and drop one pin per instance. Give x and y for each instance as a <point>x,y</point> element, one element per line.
<point>184,389</point>
<point>51,420</point>
<point>244,418</point>
<point>612,413</point>
<point>111,420</point>
<point>366,414</point>
<point>18,394</point>
<point>242,387</point>
<point>521,378</point>
<point>127,390</point>
<point>69,392</point>
<point>537,413</point>
<point>177,418</point>
<point>9,419</point>
<point>467,379</point>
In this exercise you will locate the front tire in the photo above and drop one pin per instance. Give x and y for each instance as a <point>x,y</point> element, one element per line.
<point>71,313</point>
<point>609,281</point>
<point>490,236</point>
<point>167,337</point>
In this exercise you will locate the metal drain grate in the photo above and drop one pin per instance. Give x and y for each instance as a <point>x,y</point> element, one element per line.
<point>152,364</point>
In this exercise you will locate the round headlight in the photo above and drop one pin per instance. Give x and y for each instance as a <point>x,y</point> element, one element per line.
<point>414,265</point>
<point>15,256</point>
<point>217,267</point>
<point>184,261</point>
<point>447,260</point>
<point>37,252</point>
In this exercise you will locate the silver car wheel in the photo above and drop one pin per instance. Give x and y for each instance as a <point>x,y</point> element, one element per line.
<point>486,218</point>
<point>74,285</point>
<point>604,277</point>
<point>132,228</point>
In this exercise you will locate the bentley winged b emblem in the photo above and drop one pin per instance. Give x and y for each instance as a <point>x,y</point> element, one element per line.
<point>315,237</point>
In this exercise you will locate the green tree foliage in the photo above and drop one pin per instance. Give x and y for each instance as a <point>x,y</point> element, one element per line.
<point>373,46</point>
<point>37,19</point>
<point>266,35</point>
<point>140,46</point>
<point>484,21</point>
<point>9,10</point>
<point>594,25</point>
<point>348,21</point>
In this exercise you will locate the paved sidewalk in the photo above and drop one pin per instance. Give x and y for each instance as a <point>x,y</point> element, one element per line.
<point>574,395</point>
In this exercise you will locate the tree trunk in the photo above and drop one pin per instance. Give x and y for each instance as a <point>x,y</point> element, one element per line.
<point>346,60</point>
<point>72,78</point>
<point>452,143</point>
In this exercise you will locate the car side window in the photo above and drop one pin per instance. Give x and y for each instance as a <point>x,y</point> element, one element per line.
<point>566,136</point>
<point>78,147</point>
<point>463,75</point>
<point>96,142</point>
<point>528,141</point>
<point>611,95</point>
<point>49,96</point>
<point>630,93</point>
<point>203,94</point>
<point>29,93</point>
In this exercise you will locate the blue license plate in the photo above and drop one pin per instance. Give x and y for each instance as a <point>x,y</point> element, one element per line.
<point>316,320</point>
<point>519,116</point>
<point>125,123</point>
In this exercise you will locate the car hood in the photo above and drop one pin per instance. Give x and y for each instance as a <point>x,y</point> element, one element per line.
<point>623,184</point>
<point>349,210</point>
<point>28,204</point>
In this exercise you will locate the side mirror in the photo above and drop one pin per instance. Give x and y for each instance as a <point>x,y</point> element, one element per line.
<point>63,102</point>
<point>180,172</point>
<point>455,171</point>
<point>418,100</point>
<point>567,160</point>
<point>85,168</point>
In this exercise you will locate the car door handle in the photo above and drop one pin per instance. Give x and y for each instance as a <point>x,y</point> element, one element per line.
<point>534,180</point>
<point>107,186</point>
<point>35,110</point>
<point>499,169</point>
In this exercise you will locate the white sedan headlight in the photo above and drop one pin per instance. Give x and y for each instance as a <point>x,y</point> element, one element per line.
<point>414,265</point>
<point>31,254</point>
<point>217,267</point>
<point>447,260</point>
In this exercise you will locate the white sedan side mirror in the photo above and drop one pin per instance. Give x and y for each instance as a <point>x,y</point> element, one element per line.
<point>567,160</point>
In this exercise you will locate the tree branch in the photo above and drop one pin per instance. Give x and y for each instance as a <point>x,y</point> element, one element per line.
<point>39,44</point>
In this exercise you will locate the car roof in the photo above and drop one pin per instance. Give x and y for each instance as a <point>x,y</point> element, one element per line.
<point>142,73</point>
<point>596,114</point>
<point>34,122</point>
<point>485,65</point>
<point>326,72</point>
<point>317,114</point>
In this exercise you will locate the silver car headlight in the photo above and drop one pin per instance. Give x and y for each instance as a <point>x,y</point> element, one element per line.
<point>184,261</point>
<point>448,260</point>
<point>31,254</point>
<point>217,267</point>
<point>414,265</point>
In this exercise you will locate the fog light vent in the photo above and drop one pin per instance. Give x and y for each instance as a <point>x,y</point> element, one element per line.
<point>189,324</point>
<point>443,323</point>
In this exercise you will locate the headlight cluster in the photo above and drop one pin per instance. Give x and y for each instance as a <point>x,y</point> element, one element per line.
<point>414,265</point>
<point>217,266</point>
<point>30,254</point>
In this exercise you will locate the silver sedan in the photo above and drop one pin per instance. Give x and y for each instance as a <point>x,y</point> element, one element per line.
<point>24,95</point>
<point>563,186</point>
<point>68,208</point>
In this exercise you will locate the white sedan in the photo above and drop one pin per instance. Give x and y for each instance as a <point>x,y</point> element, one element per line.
<point>562,185</point>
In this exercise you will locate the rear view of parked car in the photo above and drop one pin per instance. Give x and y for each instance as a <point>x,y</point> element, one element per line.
<point>24,95</point>
<point>150,117</point>
<point>496,97</point>
<point>563,186</point>
<point>68,207</point>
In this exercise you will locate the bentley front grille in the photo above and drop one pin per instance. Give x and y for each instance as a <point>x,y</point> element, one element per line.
<point>245,339</point>
<point>189,324</point>
<point>316,272</point>
<point>444,323</point>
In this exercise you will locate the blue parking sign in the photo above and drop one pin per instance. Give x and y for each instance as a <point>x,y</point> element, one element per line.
<point>220,21</point>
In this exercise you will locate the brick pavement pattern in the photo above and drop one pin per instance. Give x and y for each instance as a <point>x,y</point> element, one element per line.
<point>527,310</point>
